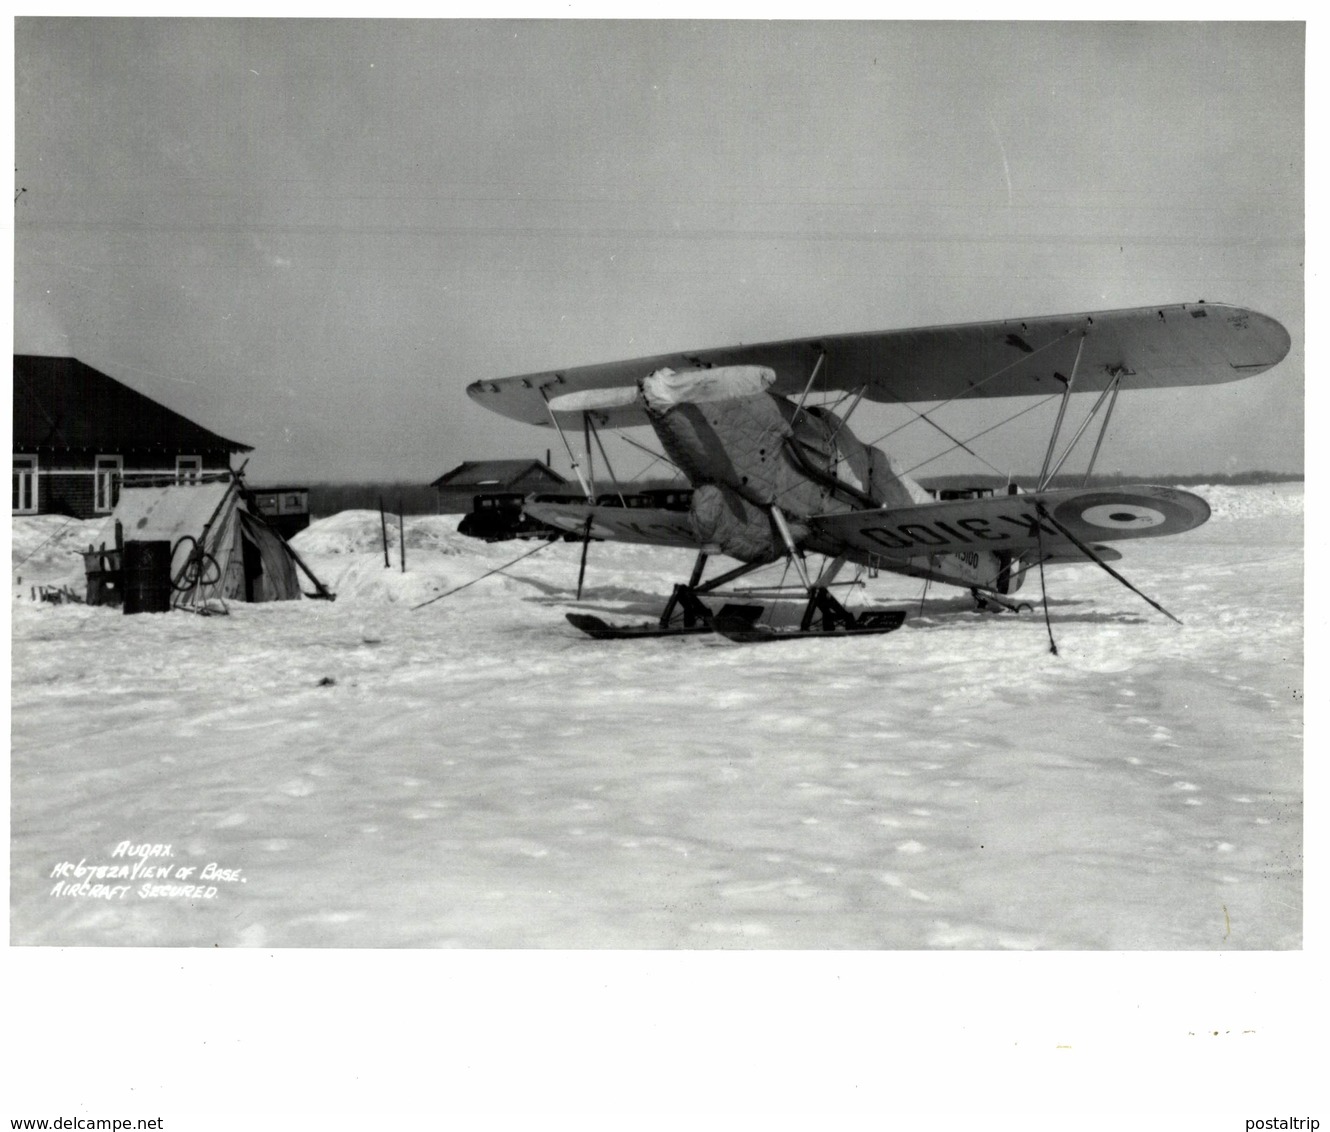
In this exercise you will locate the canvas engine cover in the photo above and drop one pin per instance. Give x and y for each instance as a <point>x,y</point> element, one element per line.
<point>726,522</point>
<point>733,434</point>
<point>745,449</point>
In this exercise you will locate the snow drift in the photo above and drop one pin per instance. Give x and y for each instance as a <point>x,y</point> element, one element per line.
<point>474,773</point>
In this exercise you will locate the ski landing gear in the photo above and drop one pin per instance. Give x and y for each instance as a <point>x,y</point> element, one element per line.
<point>990,603</point>
<point>740,622</point>
<point>836,621</point>
<point>685,603</point>
<point>686,614</point>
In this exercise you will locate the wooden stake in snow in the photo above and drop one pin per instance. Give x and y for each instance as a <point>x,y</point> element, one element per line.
<point>383,524</point>
<point>401,531</point>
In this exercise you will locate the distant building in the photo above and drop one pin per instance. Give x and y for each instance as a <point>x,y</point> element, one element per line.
<point>458,489</point>
<point>285,509</point>
<point>79,435</point>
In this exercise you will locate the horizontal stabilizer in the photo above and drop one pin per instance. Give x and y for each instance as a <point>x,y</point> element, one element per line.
<point>1013,523</point>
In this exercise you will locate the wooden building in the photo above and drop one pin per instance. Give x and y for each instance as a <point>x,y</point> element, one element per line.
<point>458,489</point>
<point>79,435</point>
<point>285,509</point>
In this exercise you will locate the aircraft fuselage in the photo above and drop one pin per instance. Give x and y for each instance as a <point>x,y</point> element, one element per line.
<point>746,450</point>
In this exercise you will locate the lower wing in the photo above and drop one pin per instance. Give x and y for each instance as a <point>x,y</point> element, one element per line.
<point>650,525</point>
<point>1049,520</point>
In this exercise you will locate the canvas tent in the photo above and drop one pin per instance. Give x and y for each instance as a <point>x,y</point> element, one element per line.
<point>246,560</point>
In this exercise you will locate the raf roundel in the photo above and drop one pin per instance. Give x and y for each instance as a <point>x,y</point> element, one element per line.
<point>1123,517</point>
<point>1132,513</point>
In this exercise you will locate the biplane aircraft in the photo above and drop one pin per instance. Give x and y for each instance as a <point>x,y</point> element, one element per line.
<point>775,476</point>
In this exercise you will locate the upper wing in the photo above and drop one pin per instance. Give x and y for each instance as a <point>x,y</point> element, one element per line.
<point>657,527</point>
<point>1012,522</point>
<point>1150,347</point>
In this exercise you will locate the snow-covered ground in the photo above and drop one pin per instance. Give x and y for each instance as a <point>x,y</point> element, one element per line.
<point>474,773</point>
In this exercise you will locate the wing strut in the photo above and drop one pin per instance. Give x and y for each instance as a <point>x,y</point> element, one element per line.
<point>577,468</point>
<point>1117,381</point>
<point>589,432</point>
<point>586,447</point>
<point>795,556</point>
<point>846,418</point>
<point>812,377</point>
<point>1062,412</point>
<point>618,489</point>
<point>1111,387</point>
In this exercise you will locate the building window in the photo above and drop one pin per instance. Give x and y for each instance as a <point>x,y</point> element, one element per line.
<point>110,469</point>
<point>25,485</point>
<point>187,469</point>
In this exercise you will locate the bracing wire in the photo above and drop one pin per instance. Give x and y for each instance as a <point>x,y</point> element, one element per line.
<point>959,443</point>
<point>976,387</point>
<point>496,570</point>
<point>53,535</point>
<point>955,443</point>
<point>655,456</point>
<point>977,435</point>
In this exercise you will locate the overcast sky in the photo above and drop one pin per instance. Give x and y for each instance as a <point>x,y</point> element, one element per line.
<point>310,236</point>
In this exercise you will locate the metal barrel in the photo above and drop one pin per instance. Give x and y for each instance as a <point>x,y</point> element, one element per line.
<point>104,575</point>
<point>147,576</point>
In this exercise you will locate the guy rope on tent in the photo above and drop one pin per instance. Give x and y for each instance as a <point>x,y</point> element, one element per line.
<point>219,549</point>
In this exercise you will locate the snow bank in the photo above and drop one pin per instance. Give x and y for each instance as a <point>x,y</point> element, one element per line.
<point>47,549</point>
<point>356,532</point>
<point>1251,502</point>
<point>475,773</point>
